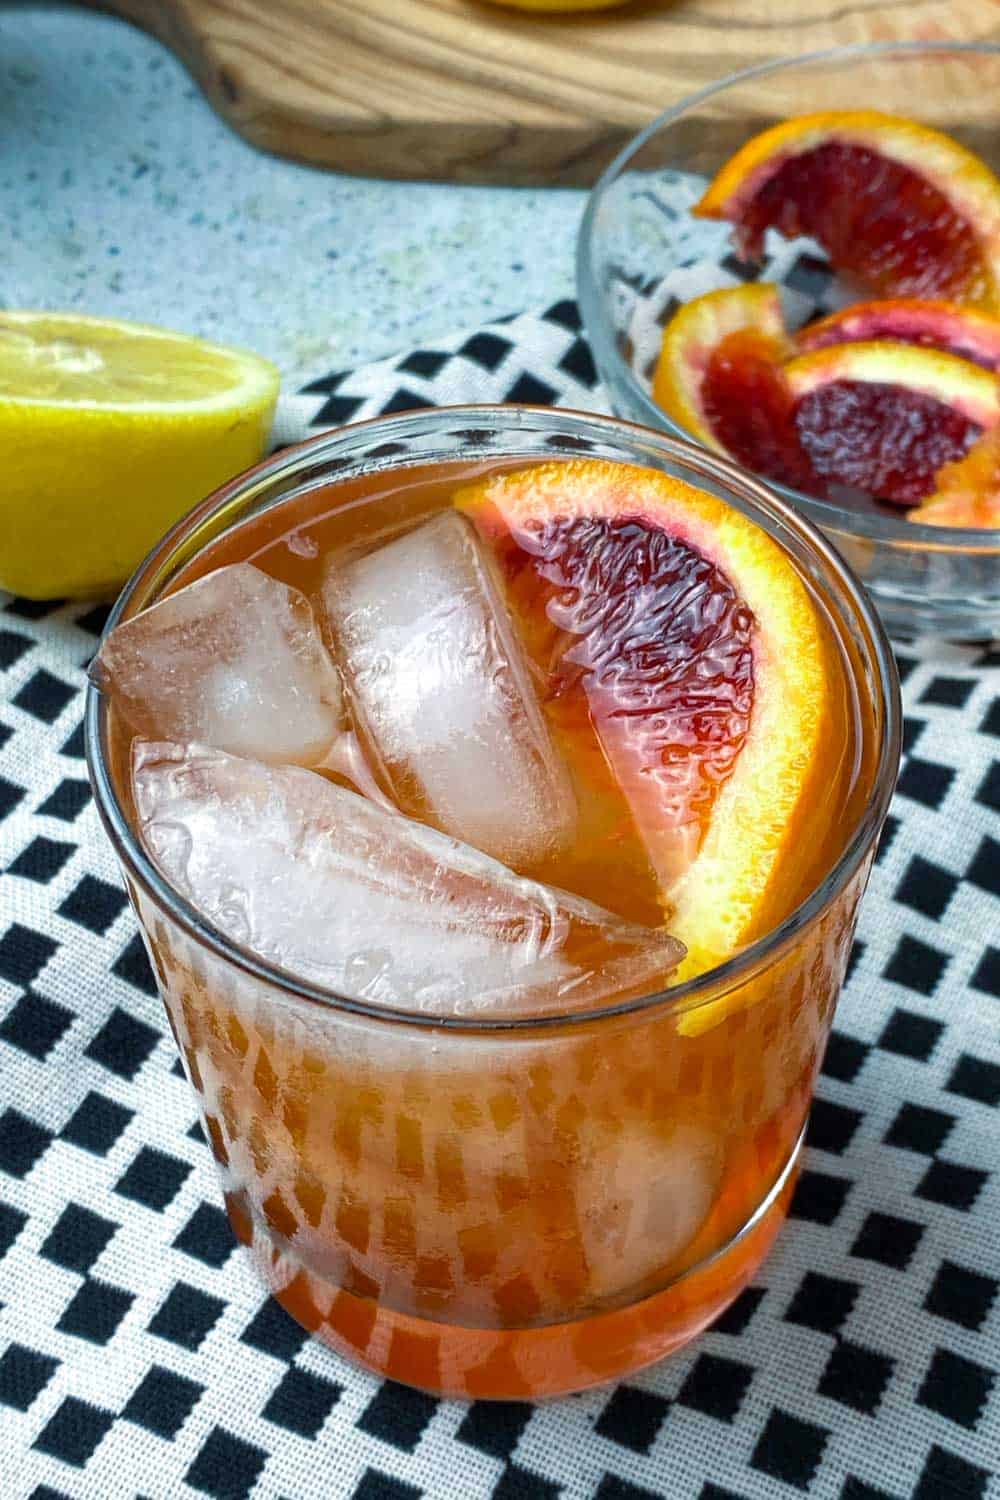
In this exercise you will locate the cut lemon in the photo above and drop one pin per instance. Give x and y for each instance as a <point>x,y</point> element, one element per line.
<point>902,207</point>
<point>706,673</point>
<point>110,432</point>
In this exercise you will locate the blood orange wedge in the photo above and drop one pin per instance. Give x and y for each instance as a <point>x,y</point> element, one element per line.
<point>693,334</point>
<point>910,320</point>
<point>902,207</point>
<point>720,377</point>
<point>884,416</point>
<point>702,665</point>
<point>968,492</point>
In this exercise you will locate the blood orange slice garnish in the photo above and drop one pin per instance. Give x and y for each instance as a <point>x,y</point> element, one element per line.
<point>750,406</point>
<point>720,377</point>
<point>884,417</point>
<point>702,665</point>
<point>903,208</point>
<point>967,492</point>
<point>965,331</point>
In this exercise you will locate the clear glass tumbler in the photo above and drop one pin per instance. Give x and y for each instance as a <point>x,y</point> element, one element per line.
<point>509,1209</point>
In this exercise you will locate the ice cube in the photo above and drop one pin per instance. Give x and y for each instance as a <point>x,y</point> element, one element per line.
<point>234,660</point>
<point>371,904</point>
<point>642,1199</point>
<point>442,687</point>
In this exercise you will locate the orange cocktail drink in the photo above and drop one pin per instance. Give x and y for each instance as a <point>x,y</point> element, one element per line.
<point>496,789</point>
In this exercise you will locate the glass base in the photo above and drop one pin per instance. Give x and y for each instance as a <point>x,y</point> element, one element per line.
<point>449,1359</point>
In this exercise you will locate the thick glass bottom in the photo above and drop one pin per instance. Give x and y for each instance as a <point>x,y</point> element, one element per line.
<point>520,1363</point>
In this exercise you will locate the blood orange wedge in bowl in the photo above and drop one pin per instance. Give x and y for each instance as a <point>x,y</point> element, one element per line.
<point>885,417</point>
<point>685,635</point>
<point>967,493</point>
<point>879,416</point>
<point>900,204</point>
<point>947,326</point>
<point>720,376</point>
<point>693,336</point>
<point>903,208</point>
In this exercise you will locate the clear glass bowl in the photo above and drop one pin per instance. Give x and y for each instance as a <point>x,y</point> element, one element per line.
<point>641,252</point>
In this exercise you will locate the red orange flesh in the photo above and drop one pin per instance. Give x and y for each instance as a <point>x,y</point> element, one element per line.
<point>720,377</point>
<point>884,417</point>
<point>751,409</point>
<point>965,331</point>
<point>692,336</point>
<point>701,659</point>
<point>900,206</point>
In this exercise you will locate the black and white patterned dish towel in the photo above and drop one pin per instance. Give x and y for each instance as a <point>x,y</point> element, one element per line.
<point>139,1355</point>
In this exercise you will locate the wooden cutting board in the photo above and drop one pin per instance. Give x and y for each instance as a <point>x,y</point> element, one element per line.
<point>462,90</point>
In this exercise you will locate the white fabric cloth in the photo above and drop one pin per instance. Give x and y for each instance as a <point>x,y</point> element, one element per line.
<point>138,1353</point>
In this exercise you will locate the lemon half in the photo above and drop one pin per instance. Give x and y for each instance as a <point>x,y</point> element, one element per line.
<point>560,5</point>
<point>110,431</point>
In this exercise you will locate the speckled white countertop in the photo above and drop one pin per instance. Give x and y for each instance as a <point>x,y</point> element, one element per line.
<point>122,193</point>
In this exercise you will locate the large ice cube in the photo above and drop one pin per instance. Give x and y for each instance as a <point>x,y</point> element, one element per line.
<point>234,660</point>
<point>441,684</point>
<point>642,1199</point>
<point>322,882</point>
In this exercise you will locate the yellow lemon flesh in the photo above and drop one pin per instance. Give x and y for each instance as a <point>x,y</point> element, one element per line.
<point>110,431</point>
<point>563,5</point>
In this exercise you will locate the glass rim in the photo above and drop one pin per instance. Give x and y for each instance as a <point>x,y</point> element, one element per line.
<point>918,535</point>
<point>704,988</point>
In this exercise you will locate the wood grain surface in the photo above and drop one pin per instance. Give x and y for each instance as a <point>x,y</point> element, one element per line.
<point>464,91</point>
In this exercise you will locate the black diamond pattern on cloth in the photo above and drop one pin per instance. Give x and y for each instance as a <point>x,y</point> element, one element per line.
<point>138,1353</point>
